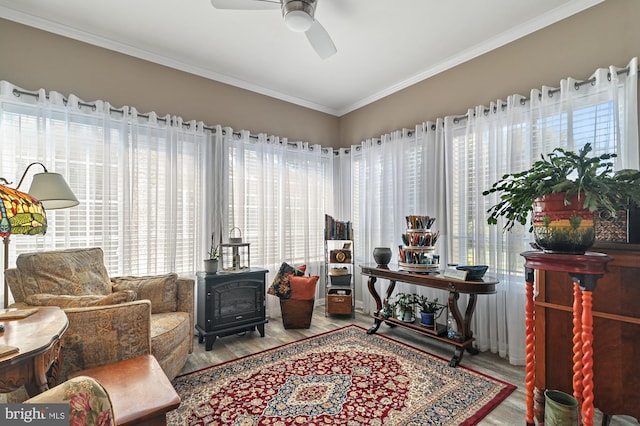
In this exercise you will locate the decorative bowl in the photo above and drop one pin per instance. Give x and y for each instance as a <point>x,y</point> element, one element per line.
<point>339,271</point>
<point>474,272</point>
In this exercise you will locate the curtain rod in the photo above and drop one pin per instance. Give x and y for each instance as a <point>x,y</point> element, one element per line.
<point>577,85</point>
<point>17,93</point>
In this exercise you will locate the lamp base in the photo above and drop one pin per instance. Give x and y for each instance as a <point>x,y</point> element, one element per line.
<point>6,266</point>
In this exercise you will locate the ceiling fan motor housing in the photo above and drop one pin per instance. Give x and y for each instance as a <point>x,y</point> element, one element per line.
<point>298,14</point>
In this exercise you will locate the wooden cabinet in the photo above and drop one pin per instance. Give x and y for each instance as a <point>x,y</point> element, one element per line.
<point>230,302</point>
<point>616,332</point>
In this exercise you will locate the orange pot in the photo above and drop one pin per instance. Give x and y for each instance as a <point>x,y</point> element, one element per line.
<point>560,228</point>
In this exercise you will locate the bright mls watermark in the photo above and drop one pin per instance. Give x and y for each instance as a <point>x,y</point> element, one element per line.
<point>34,414</point>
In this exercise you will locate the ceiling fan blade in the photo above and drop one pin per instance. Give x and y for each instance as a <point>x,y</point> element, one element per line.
<point>320,40</point>
<point>246,4</point>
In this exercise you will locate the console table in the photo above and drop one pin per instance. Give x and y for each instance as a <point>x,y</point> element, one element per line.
<point>452,285</point>
<point>584,270</point>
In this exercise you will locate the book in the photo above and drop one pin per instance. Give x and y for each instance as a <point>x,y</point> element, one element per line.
<point>452,272</point>
<point>336,229</point>
<point>9,314</point>
<point>8,350</point>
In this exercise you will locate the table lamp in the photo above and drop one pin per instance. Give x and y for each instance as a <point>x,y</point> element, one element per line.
<point>20,213</point>
<point>24,213</point>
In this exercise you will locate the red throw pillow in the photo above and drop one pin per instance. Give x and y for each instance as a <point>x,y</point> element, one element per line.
<point>303,288</point>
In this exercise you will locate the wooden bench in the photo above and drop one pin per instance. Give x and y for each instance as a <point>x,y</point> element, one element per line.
<point>139,390</point>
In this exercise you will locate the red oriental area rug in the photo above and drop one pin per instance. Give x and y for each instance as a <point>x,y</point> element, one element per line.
<point>343,377</point>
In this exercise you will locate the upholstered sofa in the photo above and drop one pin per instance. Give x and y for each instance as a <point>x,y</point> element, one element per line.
<point>110,319</point>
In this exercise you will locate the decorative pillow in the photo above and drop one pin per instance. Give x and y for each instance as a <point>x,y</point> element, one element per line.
<point>88,400</point>
<point>303,288</point>
<point>161,290</point>
<point>66,301</point>
<point>280,286</point>
<point>65,272</point>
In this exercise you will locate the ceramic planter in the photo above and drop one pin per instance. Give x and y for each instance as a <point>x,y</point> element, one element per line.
<point>211,266</point>
<point>382,256</point>
<point>560,228</point>
<point>405,314</point>
<point>427,318</point>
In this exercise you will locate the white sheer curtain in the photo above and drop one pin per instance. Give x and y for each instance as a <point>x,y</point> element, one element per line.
<point>507,137</point>
<point>276,194</point>
<point>139,178</point>
<point>482,145</point>
<point>442,169</point>
<point>398,175</point>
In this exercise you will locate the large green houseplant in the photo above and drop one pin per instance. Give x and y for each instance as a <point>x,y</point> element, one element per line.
<point>581,181</point>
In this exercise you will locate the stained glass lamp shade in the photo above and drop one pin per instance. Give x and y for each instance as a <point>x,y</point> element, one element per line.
<point>20,213</point>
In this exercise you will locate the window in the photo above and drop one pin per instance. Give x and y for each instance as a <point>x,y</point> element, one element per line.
<point>136,179</point>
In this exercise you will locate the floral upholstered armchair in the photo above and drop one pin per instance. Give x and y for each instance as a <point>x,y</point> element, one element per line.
<point>88,400</point>
<point>110,319</point>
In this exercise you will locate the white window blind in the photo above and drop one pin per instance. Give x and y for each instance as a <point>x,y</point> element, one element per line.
<point>277,197</point>
<point>138,180</point>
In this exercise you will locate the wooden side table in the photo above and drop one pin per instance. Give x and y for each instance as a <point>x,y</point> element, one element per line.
<point>584,270</point>
<point>140,392</point>
<point>36,364</point>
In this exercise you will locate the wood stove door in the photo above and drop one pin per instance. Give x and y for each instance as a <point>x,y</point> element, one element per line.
<point>238,302</point>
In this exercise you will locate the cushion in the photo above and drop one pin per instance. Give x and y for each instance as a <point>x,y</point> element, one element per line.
<point>280,286</point>
<point>303,288</point>
<point>86,398</point>
<point>161,290</point>
<point>64,272</point>
<point>66,301</point>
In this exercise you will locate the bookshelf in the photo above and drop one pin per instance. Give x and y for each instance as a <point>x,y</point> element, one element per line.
<point>339,267</point>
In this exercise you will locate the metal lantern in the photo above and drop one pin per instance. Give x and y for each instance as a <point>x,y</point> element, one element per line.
<point>235,255</point>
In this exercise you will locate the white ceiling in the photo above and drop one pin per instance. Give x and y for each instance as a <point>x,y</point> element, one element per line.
<point>383,45</point>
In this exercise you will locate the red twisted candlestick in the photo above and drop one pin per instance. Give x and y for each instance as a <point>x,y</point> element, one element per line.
<point>577,342</point>
<point>529,378</point>
<point>587,359</point>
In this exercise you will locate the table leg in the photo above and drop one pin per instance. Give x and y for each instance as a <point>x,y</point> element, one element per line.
<point>577,343</point>
<point>587,359</point>
<point>45,370</point>
<point>463,325</point>
<point>587,283</point>
<point>376,315</point>
<point>468,334</point>
<point>529,347</point>
<point>374,293</point>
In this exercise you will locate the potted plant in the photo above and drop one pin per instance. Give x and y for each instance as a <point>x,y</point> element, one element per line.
<point>563,190</point>
<point>428,310</point>
<point>211,264</point>
<point>404,307</point>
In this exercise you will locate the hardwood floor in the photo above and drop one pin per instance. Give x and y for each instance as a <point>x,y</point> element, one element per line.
<point>510,412</point>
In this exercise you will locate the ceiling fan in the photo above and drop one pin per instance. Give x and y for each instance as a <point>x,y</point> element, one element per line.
<point>298,16</point>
